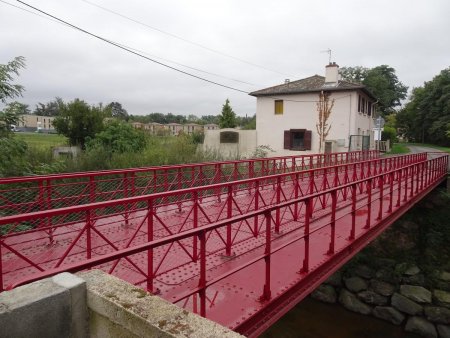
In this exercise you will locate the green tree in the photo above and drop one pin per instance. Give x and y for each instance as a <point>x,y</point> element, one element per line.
<point>9,90</point>
<point>118,137</point>
<point>382,82</point>
<point>354,74</point>
<point>17,108</point>
<point>227,119</point>
<point>426,117</point>
<point>48,109</point>
<point>78,121</point>
<point>115,109</point>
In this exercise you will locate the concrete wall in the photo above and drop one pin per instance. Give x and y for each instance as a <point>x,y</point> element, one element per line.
<point>95,304</point>
<point>119,309</point>
<point>244,148</point>
<point>53,307</point>
<point>300,112</point>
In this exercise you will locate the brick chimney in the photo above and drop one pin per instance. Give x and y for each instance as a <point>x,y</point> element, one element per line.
<point>332,73</point>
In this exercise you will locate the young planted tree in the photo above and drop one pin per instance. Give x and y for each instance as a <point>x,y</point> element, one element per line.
<point>324,107</point>
<point>227,119</point>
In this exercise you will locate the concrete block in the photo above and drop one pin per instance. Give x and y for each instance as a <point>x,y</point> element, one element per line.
<point>120,309</point>
<point>78,303</point>
<point>40,309</point>
<point>44,309</point>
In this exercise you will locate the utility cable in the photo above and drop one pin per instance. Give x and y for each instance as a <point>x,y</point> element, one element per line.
<point>182,39</point>
<point>137,50</point>
<point>131,51</point>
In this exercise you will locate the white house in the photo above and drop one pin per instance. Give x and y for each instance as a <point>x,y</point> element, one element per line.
<point>287,115</point>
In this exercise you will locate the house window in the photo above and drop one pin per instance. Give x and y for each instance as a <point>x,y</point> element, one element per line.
<point>278,107</point>
<point>297,139</point>
<point>359,103</point>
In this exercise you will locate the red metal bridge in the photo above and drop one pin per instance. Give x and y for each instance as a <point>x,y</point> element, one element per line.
<point>239,242</point>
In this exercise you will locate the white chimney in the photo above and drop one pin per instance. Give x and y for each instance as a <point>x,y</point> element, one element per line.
<point>332,73</point>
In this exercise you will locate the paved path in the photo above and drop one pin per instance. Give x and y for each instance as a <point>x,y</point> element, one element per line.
<point>421,149</point>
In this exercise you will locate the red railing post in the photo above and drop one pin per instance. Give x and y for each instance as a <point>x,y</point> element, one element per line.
<point>399,179</point>
<point>195,225</point>
<point>380,187</point>
<point>125,193</point>
<point>305,267</point>
<point>202,279</point>
<point>92,189</point>
<point>333,222</point>
<point>267,257</point>
<point>41,201</point>
<point>277,211</point>
<point>49,206</point>
<point>255,222</point>
<point>88,234</point>
<point>405,197</point>
<point>369,202</point>
<point>353,213</point>
<point>229,214</point>
<point>391,190</point>
<point>296,188</point>
<point>150,276</point>
<point>412,181</point>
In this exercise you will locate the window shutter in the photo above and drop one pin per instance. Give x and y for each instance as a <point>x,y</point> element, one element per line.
<point>307,140</point>
<point>287,139</point>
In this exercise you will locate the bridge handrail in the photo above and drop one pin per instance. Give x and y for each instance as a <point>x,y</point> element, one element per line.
<point>420,157</point>
<point>22,179</point>
<point>202,230</point>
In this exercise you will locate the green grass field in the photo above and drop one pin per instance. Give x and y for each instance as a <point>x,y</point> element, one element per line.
<point>41,140</point>
<point>399,148</point>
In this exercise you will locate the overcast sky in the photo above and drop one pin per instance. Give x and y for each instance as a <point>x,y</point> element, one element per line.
<point>274,40</point>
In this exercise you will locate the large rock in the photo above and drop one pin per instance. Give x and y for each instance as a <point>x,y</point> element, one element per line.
<point>406,305</point>
<point>355,284</point>
<point>335,279</point>
<point>352,303</point>
<point>389,313</point>
<point>418,280</point>
<point>444,276</point>
<point>373,298</point>
<point>437,314</point>
<point>442,298</point>
<point>421,326</point>
<point>387,275</point>
<point>412,270</point>
<point>364,271</point>
<point>416,293</point>
<point>325,293</point>
<point>443,331</point>
<point>382,288</point>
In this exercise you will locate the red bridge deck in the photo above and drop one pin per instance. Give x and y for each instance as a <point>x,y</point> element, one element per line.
<point>240,253</point>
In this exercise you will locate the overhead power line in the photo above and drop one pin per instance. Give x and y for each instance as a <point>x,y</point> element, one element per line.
<point>129,50</point>
<point>183,39</point>
<point>134,49</point>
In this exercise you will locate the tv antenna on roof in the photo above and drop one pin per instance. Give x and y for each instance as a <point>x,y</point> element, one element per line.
<point>329,54</point>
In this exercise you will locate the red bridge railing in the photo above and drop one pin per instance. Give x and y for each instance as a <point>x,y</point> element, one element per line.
<point>47,239</point>
<point>269,273</point>
<point>20,195</point>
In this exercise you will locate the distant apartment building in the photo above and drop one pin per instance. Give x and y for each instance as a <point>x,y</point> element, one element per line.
<point>173,129</point>
<point>190,128</point>
<point>31,122</point>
